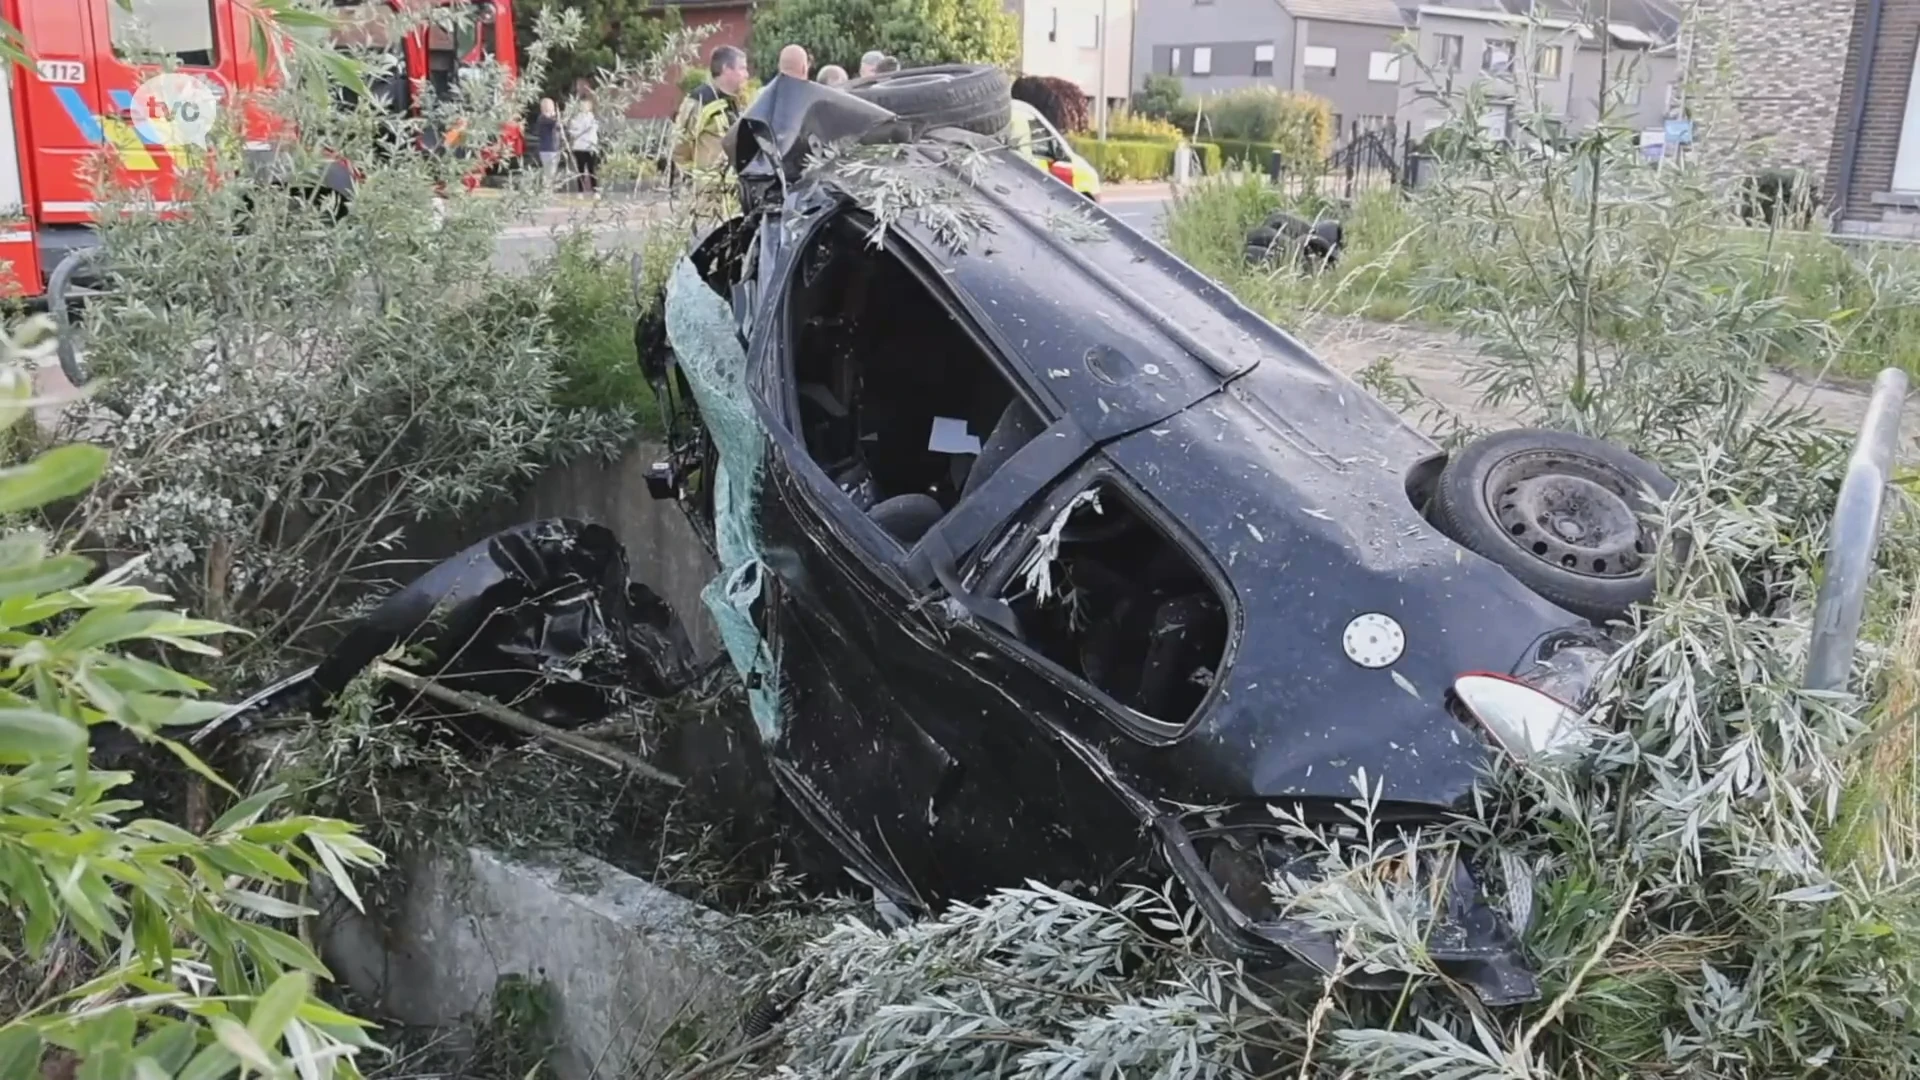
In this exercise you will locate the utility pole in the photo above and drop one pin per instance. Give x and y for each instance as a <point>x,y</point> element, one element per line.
<point>1103,70</point>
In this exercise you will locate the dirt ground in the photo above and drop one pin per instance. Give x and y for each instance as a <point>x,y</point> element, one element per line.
<point>1436,359</point>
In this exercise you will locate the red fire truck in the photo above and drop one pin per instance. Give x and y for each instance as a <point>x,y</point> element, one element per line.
<point>77,97</point>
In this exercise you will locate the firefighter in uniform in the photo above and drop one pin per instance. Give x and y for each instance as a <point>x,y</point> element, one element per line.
<point>706,116</point>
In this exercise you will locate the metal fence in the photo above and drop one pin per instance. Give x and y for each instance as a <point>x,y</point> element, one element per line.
<point>1364,158</point>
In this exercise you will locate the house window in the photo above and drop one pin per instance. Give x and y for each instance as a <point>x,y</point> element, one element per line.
<point>182,29</point>
<point>1321,59</point>
<point>1053,26</point>
<point>1546,62</point>
<point>1202,60</point>
<point>1383,67</point>
<point>1174,68</point>
<point>1626,86</point>
<point>1906,162</point>
<point>1452,48</point>
<point>1263,61</point>
<point>1497,58</point>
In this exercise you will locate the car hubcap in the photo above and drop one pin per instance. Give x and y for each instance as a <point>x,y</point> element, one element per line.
<point>1569,513</point>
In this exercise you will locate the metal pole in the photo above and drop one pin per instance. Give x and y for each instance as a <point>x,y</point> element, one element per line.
<point>1103,70</point>
<point>1855,536</point>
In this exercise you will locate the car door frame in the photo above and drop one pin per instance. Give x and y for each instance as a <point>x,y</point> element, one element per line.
<point>995,565</point>
<point>909,584</point>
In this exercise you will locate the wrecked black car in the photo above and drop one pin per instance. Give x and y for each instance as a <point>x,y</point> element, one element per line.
<point>1042,557</point>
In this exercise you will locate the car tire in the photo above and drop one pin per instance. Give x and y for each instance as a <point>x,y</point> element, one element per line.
<point>972,97</point>
<point>1560,512</point>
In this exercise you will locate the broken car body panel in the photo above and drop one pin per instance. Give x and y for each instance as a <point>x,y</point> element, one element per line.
<point>919,725</point>
<point>541,615</point>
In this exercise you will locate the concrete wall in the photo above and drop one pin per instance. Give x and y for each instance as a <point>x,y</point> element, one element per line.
<point>1870,205</point>
<point>1061,38</point>
<point>1763,81</point>
<point>632,968</point>
<point>1355,95</point>
<point>1231,28</point>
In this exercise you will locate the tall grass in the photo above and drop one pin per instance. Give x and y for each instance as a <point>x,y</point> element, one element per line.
<point>1437,256</point>
<point>1208,227</point>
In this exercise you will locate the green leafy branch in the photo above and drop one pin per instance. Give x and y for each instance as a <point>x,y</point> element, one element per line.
<point>179,971</point>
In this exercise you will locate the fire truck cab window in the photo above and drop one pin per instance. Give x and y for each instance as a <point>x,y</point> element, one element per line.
<point>469,41</point>
<point>155,29</point>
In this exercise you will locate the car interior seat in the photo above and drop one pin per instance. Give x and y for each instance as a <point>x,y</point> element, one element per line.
<point>1016,427</point>
<point>907,517</point>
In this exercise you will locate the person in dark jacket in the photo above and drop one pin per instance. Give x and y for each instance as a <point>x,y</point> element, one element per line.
<point>546,135</point>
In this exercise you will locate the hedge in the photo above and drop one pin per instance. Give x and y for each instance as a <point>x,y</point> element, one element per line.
<point>1256,155</point>
<point>1138,159</point>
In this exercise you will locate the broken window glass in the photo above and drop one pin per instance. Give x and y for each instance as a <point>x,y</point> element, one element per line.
<point>1108,596</point>
<point>897,400</point>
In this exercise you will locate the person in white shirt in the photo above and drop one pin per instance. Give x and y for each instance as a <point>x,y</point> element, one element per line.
<point>583,139</point>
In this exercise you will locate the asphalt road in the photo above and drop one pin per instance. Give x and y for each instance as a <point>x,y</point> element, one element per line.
<point>1142,206</point>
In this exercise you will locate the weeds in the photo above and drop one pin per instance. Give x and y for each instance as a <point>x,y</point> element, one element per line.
<point>591,299</point>
<point>1472,250</point>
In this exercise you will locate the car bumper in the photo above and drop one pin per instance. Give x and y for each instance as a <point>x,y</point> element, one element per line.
<point>1468,939</point>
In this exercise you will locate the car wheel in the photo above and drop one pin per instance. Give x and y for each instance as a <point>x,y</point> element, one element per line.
<point>1560,512</point>
<point>972,97</point>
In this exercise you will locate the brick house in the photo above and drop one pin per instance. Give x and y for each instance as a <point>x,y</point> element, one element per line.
<point>1873,172</point>
<point>1824,87</point>
<point>730,19</point>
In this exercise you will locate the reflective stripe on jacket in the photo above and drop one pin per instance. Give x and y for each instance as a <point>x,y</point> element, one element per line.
<point>705,117</point>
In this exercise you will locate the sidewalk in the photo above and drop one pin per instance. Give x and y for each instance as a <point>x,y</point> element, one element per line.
<point>1133,191</point>
<point>614,211</point>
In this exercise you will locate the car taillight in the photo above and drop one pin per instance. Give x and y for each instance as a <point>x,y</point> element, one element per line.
<point>1525,720</point>
<point>1062,172</point>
